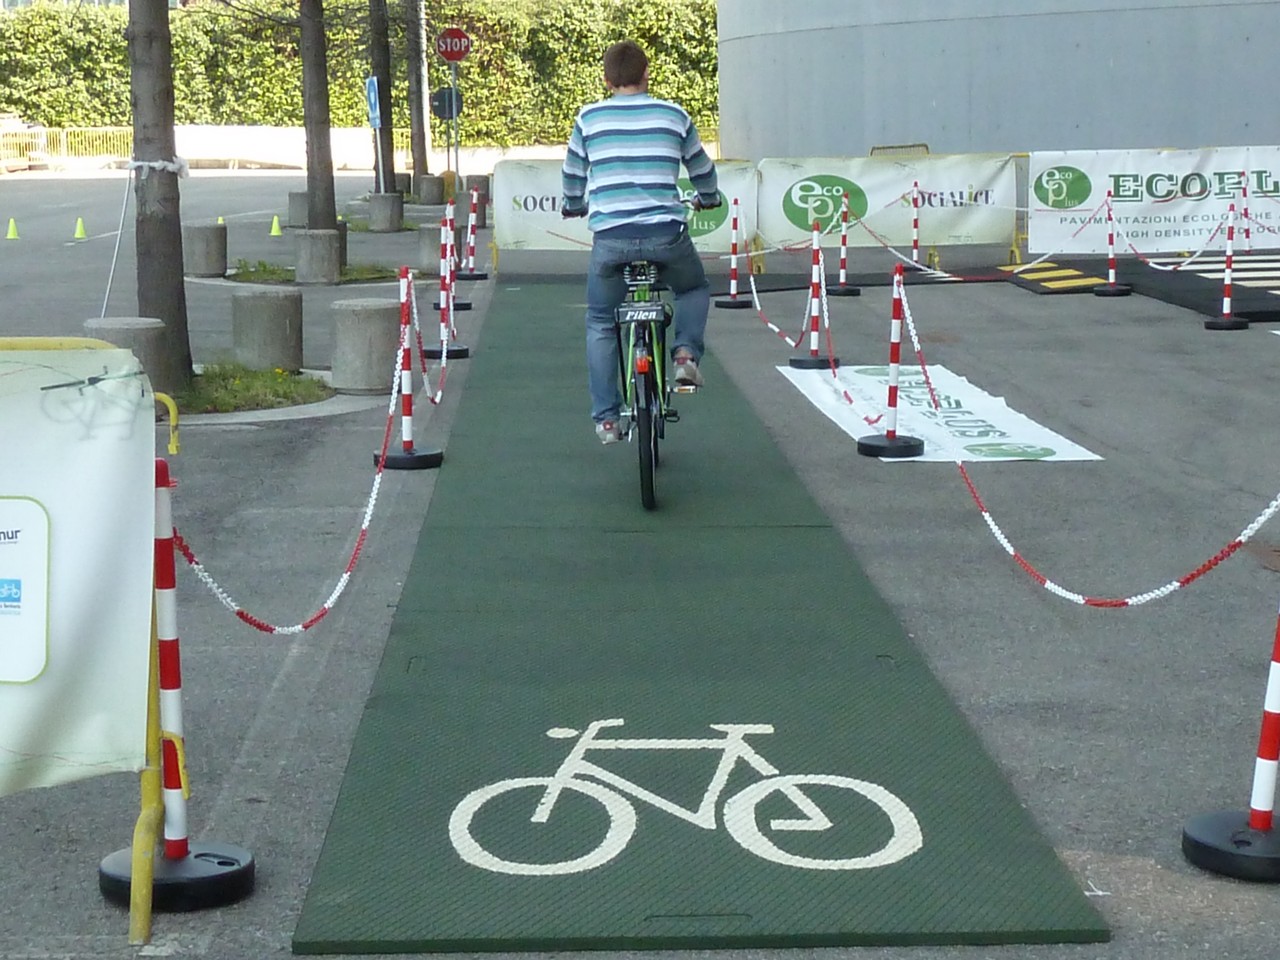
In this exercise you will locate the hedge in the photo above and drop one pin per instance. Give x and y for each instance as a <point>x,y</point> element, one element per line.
<point>533,63</point>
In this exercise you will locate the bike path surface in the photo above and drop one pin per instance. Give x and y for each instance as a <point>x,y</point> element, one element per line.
<point>543,598</point>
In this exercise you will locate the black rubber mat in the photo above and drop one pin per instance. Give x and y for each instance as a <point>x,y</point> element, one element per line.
<point>599,727</point>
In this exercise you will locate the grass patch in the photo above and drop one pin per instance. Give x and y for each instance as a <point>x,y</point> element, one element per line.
<point>264,272</point>
<point>362,226</point>
<point>231,387</point>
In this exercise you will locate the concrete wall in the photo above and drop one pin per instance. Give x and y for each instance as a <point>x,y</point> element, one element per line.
<point>837,77</point>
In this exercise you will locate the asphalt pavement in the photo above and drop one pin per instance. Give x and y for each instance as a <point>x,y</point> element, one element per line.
<point>1113,726</point>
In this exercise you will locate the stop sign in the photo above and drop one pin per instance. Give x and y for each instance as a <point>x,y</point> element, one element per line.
<point>453,44</point>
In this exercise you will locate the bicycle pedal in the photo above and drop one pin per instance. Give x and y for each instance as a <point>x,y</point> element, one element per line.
<point>671,416</point>
<point>685,388</point>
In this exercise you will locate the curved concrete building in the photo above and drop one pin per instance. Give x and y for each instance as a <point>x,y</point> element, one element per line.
<point>838,77</point>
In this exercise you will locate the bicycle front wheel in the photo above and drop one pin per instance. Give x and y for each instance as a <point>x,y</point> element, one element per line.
<point>646,439</point>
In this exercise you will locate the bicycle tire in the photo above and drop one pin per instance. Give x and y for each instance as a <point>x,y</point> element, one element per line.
<point>646,439</point>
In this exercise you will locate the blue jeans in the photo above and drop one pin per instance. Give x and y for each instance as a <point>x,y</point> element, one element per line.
<point>678,267</point>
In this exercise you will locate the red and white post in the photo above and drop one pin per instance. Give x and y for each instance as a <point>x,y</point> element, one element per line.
<point>733,302</point>
<point>915,222</point>
<point>1111,288</point>
<point>448,301</point>
<point>1244,213</point>
<point>469,271</point>
<point>1238,843</point>
<point>1228,321</point>
<point>815,361</point>
<point>842,288</point>
<point>890,443</point>
<point>408,457</point>
<point>455,304</point>
<point>176,842</point>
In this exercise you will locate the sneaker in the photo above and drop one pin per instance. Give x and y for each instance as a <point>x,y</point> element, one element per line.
<point>608,431</point>
<point>687,373</point>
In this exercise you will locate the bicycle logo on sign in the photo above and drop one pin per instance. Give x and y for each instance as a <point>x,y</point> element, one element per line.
<point>738,814</point>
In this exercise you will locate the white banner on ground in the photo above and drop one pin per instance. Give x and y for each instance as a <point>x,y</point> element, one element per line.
<point>964,199</point>
<point>77,534</point>
<point>526,208</point>
<point>970,424</point>
<point>1164,201</point>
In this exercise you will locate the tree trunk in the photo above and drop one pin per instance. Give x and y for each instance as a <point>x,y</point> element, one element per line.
<point>419,131</point>
<point>322,211</point>
<point>158,223</point>
<point>380,60</point>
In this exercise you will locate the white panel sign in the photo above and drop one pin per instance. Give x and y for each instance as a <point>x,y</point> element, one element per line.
<point>77,528</point>
<point>1163,200</point>
<point>963,199</point>
<point>527,196</point>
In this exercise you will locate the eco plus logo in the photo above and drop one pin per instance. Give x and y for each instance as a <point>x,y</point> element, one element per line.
<point>819,198</point>
<point>1062,187</point>
<point>703,222</point>
<point>10,596</point>
<point>1010,451</point>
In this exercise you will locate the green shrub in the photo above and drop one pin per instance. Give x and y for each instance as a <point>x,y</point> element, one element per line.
<point>533,62</point>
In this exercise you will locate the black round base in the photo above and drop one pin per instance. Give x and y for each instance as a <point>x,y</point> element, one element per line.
<point>844,290</point>
<point>456,351</point>
<point>1226,323</point>
<point>415,459</point>
<point>472,275</point>
<point>878,445</point>
<point>1222,842</point>
<point>211,875</point>
<point>730,303</point>
<point>458,306</point>
<point>1113,290</point>
<point>813,363</point>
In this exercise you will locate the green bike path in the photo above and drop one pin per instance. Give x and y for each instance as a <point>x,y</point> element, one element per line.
<point>543,597</point>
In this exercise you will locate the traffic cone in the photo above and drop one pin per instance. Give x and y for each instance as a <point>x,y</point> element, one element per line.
<point>220,220</point>
<point>80,233</point>
<point>13,230</point>
<point>275,226</point>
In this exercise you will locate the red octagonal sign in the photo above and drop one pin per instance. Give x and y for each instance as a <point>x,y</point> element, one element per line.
<point>453,44</point>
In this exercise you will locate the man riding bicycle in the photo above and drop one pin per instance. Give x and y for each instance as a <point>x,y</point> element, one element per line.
<point>623,162</point>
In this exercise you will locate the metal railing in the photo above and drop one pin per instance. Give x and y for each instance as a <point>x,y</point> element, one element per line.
<point>41,146</point>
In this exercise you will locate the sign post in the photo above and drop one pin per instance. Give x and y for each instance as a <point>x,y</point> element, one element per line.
<point>375,122</point>
<point>454,44</point>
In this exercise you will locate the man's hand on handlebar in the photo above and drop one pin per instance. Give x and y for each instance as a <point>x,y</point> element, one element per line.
<point>572,213</point>
<point>706,203</point>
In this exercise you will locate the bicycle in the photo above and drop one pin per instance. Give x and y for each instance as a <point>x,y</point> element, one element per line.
<point>738,813</point>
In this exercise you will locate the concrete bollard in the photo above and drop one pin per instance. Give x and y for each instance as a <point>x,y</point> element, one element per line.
<point>430,190</point>
<point>266,328</point>
<point>386,212</point>
<point>366,339</point>
<point>481,183</point>
<point>404,183</point>
<point>204,249</point>
<point>148,338</point>
<point>429,250</point>
<point>318,256</point>
<point>297,209</point>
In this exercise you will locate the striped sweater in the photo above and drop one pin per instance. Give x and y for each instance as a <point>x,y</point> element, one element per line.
<point>624,159</point>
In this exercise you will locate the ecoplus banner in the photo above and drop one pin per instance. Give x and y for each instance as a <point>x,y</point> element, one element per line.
<point>526,208</point>
<point>962,199</point>
<point>1163,201</point>
<point>77,534</point>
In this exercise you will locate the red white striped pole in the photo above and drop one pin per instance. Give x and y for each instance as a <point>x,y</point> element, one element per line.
<point>409,457</point>
<point>890,444</point>
<point>1227,321</point>
<point>915,221</point>
<point>446,279</point>
<point>1262,800</point>
<point>1111,289</point>
<point>1244,199</point>
<point>842,289</point>
<point>176,841</point>
<point>469,271</point>
<point>814,361</point>
<point>733,302</point>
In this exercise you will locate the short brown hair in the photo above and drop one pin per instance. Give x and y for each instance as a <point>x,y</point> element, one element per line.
<point>625,64</point>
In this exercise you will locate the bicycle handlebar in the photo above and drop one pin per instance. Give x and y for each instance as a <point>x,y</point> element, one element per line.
<point>696,202</point>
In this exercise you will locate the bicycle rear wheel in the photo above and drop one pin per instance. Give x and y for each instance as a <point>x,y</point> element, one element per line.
<point>646,438</point>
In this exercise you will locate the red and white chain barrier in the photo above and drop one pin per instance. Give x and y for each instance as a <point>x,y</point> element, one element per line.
<point>1138,599</point>
<point>173,754</point>
<point>895,354</point>
<point>843,288</point>
<point>406,366</point>
<point>1262,801</point>
<point>469,271</point>
<point>257,622</point>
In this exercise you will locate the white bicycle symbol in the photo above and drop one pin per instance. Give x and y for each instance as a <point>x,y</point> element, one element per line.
<point>739,810</point>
